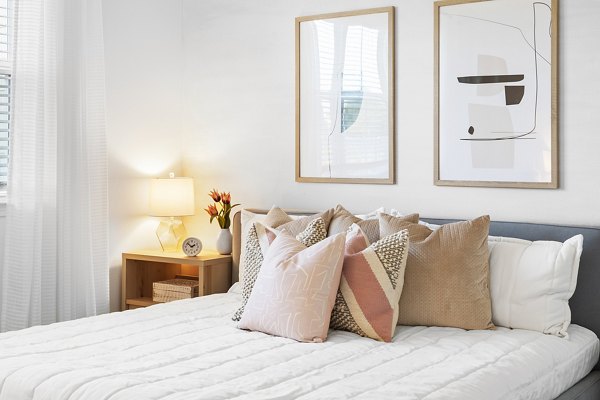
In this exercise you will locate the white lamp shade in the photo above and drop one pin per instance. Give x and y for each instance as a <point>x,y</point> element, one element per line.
<point>172,197</point>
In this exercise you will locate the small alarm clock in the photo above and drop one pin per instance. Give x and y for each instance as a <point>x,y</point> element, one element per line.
<point>191,246</point>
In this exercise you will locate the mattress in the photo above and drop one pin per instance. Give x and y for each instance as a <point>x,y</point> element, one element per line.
<point>190,349</point>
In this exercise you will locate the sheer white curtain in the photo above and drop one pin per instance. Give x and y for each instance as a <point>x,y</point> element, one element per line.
<point>55,265</point>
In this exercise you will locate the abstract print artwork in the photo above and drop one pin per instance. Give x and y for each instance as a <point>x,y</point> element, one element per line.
<point>345,97</point>
<point>496,95</point>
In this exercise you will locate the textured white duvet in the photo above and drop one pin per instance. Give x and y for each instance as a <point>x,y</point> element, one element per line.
<point>190,349</point>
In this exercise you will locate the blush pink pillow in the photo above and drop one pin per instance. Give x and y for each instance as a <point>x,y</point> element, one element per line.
<point>371,285</point>
<point>295,289</point>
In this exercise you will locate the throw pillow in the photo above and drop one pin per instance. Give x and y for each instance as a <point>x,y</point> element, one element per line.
<point>295,289</point>
<point>371,284</point>
<point>298,225</point>
<point>257,244</point>
<point>390,224</point>
<point>372,214</point>
<point>446,282</point>
<point>343,219</point>
<point>531,283</point>
<point>274,218</point>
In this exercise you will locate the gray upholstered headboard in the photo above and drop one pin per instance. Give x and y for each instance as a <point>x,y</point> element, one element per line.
<point>585,304</point>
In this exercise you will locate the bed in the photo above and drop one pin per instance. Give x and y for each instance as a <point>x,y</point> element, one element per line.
<point>191,349</point>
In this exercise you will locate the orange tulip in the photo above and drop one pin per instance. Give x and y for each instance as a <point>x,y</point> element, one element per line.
<point>226,197</point>
<point>212,210</point>
<point>215,195</point>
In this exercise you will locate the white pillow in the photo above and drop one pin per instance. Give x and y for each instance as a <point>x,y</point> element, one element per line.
<point>531,283</point>
<point>372,215</point>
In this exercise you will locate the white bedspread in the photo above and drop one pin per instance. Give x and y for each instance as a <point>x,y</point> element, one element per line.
<point>191,350</point>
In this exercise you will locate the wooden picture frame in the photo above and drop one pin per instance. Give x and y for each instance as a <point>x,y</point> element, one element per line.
<point>496,93</point>
<point>345,101</point>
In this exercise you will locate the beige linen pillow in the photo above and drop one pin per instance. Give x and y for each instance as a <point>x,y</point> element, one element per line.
<point>343,219</point>
<point>390,224</point>
<point>296,226</point>
<point>446,282</point>
<point>257,244</point>
<point>295,290</point>
<point>371,284</point>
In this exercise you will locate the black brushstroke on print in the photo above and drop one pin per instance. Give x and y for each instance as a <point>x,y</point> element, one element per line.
<point>515,27</point>
<point>535,58</point>
<point>483,79</point>
<point>513,94</point>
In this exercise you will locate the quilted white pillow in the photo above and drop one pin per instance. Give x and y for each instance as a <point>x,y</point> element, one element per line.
<point>531,283</point>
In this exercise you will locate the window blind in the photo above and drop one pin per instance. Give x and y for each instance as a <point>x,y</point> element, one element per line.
<point>5,88</point>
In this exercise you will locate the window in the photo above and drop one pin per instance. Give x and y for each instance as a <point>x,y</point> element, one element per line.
<point>5,88</point>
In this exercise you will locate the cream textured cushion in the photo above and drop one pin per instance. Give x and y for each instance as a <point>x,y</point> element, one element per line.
<point>446,282</point>
<point>343,219</point>
<point>531,283</point>
<point>371,284</point>
<point>295,289</point>
<point>274,218</point>
<point>257,244</point>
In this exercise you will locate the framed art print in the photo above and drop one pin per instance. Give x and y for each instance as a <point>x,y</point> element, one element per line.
<point>345,97</point>
<point>496,68</point>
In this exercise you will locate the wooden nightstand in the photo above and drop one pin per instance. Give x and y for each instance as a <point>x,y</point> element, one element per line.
<point>142,268</point>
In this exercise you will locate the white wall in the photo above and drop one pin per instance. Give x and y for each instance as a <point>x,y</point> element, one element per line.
<point>239,115</point>
<point>143,56</point>
<point>222,99</point>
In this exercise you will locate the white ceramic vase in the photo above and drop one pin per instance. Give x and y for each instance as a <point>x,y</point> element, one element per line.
<point>224,241</point>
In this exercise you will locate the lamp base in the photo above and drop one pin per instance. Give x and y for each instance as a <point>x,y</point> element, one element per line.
<point>170,234</point>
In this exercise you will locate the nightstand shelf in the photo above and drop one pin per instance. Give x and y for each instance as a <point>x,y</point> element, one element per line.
<point>142,268</point>
<point>140,302</point>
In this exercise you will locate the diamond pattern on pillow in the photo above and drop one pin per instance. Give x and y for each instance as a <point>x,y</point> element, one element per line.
<point>257,243</point>
<point>371,285</point>
<point>314,233</point>
<point>273,219</point>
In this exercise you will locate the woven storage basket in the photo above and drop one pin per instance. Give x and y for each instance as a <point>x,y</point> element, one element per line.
<point>174,289</point>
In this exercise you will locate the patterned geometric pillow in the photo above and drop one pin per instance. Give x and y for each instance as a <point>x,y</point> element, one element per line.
<point>258,241</point>
<point>371,285</point>
<point>274,218</point>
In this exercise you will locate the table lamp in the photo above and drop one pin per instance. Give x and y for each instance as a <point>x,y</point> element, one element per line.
<point>171,197</point>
